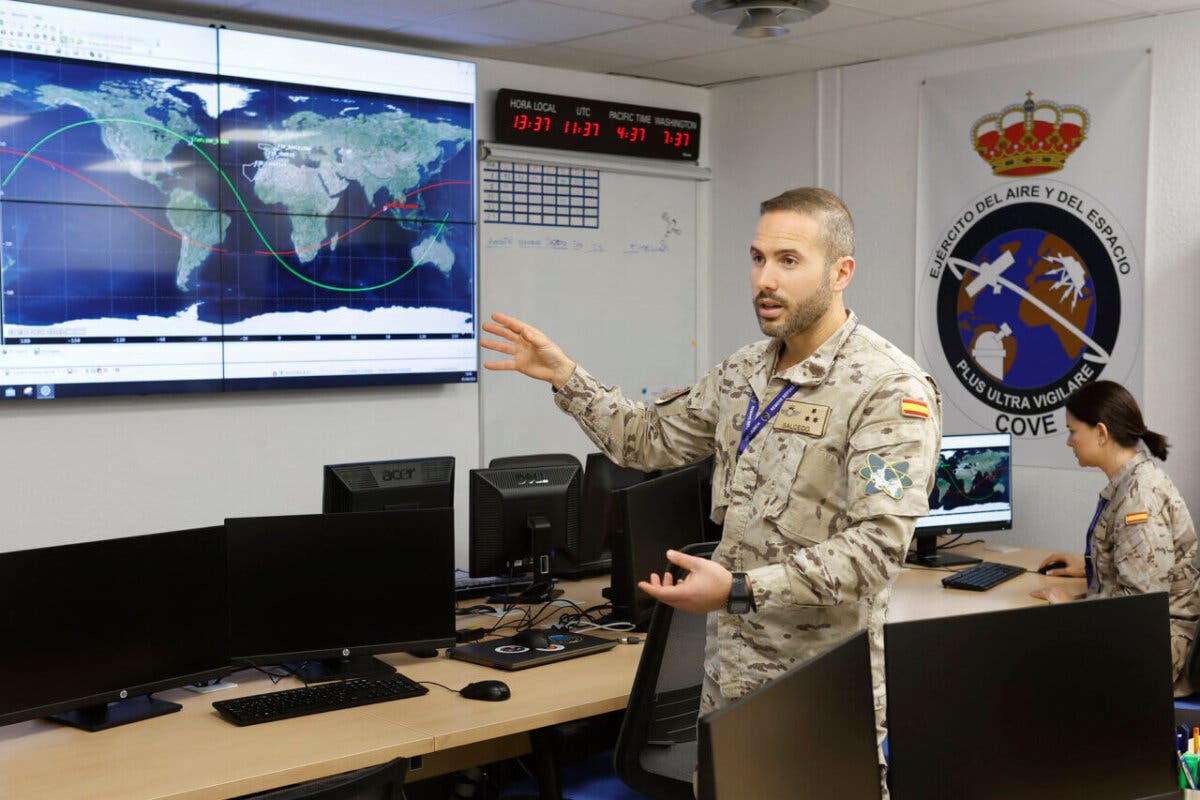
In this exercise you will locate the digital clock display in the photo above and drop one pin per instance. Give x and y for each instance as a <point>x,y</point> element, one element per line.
<point>596,126</point>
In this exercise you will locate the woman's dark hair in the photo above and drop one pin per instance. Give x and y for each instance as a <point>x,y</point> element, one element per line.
<point>1112,404</point>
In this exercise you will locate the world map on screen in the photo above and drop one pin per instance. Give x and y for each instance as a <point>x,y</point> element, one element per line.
<point>170,199</point>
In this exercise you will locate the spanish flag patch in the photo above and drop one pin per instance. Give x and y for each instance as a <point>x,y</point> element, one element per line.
<point>1136,517</point>
<point>914,408</point>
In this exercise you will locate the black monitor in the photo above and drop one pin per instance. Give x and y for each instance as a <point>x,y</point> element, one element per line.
<point>520,517</point>
<point>972,492</point>
<point>808,733</point>
<point>660,514</point>
<point>602,478</point>
<point>534,460</point>
<point>1040,703</point>
<point>88,631</point>
<point>395,485</point>
<point>321,593</point>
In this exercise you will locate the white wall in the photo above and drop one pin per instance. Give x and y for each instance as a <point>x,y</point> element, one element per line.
<point>75,470</point>
<point>873,109</point>
<point>763,136</point>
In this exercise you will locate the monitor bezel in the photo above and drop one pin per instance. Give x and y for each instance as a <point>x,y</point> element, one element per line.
<point>925,528</point>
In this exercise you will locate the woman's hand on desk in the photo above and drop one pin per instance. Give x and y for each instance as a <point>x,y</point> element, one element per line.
<point>1054,594</point>
<point>1074,565</point>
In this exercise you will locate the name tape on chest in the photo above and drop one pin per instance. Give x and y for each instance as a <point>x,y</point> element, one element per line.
<point>1137,517</point>
<point>797,416</point>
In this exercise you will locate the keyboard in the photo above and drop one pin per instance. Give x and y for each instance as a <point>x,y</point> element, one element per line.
<point>288,703</point>
<point>982,576</point>
<point>466,587</point>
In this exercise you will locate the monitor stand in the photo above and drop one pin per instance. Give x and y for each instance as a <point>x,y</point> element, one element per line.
<point>928,555</point>
<point>103,716</point>
<point>338,668</point>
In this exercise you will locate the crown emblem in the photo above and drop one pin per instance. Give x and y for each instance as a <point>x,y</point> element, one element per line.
<point>1030,138</point>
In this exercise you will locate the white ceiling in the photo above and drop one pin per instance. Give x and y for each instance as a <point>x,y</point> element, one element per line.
<point>664,39</point>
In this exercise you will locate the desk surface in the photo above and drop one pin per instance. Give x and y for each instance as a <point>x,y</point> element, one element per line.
<point>196,755</point>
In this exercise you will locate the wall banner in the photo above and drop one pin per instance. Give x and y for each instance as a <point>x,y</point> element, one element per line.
<point>1031,214</point>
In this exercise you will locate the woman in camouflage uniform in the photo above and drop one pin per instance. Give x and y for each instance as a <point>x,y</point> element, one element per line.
<point>1141,538</point>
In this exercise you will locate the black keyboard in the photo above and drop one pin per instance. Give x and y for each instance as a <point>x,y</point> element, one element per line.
<point>982,576</point>
<point>288,703</point>
<point>467,587</point>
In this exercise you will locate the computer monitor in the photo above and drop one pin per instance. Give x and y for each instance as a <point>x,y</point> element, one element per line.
<point>396,485</point>
<point>657,515</point>
<point>971,492</point>
<point>1040,703</point>
<point>808,733</point>
<point>88,631</point>
<point>602,478</point>
<point>520,518</point>
<point>321,594</point>
<point>534,460</point>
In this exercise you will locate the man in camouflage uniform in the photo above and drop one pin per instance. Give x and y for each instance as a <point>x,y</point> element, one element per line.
<point>818,502</point>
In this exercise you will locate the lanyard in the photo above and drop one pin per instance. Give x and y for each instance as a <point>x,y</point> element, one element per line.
<point>1087,550</point>
<point>755,422</point>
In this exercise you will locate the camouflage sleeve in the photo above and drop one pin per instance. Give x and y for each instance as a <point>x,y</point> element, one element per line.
<point>678,428</point>
<point>892,454</point>
<point>1145,546</point>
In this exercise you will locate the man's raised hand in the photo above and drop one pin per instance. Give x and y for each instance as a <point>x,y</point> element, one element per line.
<point>532,352</point>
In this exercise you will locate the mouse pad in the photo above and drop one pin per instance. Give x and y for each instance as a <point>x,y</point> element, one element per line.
<point>505,653</point>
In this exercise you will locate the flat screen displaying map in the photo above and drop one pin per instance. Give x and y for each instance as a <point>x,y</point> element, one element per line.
<point>186,208</point>
<point>973,487</point>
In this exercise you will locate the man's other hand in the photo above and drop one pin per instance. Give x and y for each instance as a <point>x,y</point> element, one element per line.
<point>533,353</point>
<point>705,588</point>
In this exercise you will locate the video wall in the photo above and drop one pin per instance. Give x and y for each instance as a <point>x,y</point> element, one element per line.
<point>187,208</point>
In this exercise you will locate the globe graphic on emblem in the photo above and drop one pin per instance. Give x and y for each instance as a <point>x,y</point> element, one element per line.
<point>1014,336</point>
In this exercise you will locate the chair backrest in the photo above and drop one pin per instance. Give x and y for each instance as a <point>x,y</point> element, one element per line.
<point>535,460</point>
<point>667,684</point>
<point>380,782</point>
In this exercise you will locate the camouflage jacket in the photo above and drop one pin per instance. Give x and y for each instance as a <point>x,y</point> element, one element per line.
<point>819,509</point>
<point>1144,541</point>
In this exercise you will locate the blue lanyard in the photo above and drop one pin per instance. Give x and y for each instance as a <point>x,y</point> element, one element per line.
<point>755,422</point>
<point>1087,550</point>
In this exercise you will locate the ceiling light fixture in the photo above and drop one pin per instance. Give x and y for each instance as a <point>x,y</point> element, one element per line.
<point>759,19</point>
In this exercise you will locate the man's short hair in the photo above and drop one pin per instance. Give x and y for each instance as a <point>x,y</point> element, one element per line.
<point>837,226</point>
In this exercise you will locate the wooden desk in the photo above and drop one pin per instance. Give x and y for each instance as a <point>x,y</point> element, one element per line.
<point>918,592</point>
<point>196,755</point>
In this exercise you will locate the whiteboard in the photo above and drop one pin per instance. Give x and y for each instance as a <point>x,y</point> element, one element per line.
<point>617,292</point>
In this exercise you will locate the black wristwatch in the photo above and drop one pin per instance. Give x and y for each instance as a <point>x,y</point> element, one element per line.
<point>741,599</point>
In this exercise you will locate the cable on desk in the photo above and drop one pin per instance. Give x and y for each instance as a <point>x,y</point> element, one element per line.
<point>953,543</point>
<point>441,685</point>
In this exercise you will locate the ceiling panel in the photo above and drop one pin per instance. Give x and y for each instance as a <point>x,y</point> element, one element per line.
<point>1011,17</point>
<point>664,39</point>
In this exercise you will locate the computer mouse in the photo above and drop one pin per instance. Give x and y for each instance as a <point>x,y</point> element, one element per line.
<point>533,638</point>
<point>1052,565</point>
<point>486,690</point>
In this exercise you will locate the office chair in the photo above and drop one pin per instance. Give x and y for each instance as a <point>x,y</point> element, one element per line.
<point>535,460</point>
<point>380,782</point>
<point>656,748</point>
<point>1187,709</point>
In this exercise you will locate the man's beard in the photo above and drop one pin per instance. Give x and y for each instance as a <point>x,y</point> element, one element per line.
<point>796,319</point>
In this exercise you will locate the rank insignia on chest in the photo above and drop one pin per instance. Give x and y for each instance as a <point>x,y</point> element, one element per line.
<point>884,477</point>
<point>796,416</point>
<point>1137,517</point>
